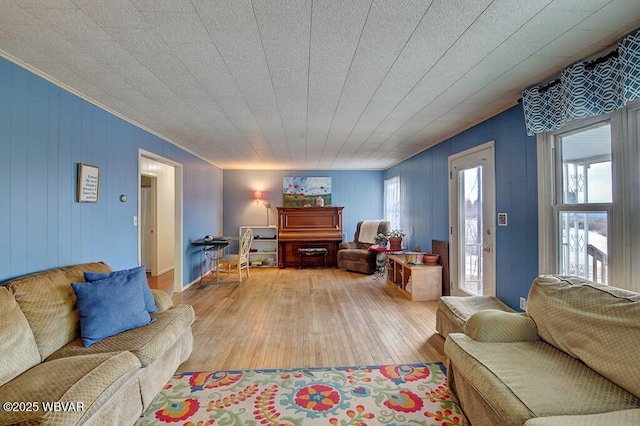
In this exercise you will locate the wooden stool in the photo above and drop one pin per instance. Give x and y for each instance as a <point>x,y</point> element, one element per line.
<point>453,312</point>
<point>313,251</point>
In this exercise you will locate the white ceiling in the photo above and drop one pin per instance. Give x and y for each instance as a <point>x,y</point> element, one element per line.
<point>307,84</point>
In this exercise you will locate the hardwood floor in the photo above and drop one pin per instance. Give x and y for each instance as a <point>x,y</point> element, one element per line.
<point>315,317</point>
<point>162,282</point>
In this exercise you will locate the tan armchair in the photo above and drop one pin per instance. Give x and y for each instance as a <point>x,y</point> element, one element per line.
<point>355,255</point>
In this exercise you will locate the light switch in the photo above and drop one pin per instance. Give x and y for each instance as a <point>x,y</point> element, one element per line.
<point>135,221</point>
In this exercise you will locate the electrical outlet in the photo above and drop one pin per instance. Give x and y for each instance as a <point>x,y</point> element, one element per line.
<point>523,303</point>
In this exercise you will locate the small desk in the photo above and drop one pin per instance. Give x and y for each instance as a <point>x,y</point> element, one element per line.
<point>211,250</point>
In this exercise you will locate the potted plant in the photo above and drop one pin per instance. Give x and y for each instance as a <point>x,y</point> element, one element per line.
<point>381,239</point>
<point>395,239</point>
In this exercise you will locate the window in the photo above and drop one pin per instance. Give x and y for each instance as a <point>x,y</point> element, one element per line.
<point>588,198</point>
<point>392,201</point>
<point>583,201</point>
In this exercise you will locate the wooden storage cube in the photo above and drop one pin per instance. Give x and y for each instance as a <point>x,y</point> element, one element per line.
<point>416,282</point>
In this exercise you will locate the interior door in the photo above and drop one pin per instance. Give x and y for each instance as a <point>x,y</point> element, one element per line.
<point>472,221</point>
<point>148,209</point>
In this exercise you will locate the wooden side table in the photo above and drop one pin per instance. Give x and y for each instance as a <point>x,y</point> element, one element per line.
<point>415,282</point>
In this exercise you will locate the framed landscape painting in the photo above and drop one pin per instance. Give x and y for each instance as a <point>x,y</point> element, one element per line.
<point>306,191</point>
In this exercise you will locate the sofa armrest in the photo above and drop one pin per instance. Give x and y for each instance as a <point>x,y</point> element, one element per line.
<point>348,246</point>
<point>162,299</point>
<point>493,325</point>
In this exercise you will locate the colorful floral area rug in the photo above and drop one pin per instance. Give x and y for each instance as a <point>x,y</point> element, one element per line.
<point>415,394</point>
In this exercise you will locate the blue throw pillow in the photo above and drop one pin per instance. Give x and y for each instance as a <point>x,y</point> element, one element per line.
<point>108,307</point>
<point>139,275</point>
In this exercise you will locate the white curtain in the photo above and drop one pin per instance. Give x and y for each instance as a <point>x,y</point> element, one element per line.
<point>146,226</point>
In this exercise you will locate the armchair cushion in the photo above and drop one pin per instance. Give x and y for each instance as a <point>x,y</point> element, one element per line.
<point>348,245</point>
<point>608,318</point>
<point>555,383</point>
<point>493,325</point>
<point>162,300</point>
<point>48,302</point>
<point>17,344</point>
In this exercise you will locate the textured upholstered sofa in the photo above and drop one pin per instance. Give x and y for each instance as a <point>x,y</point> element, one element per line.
<point>355,255</point>
<point>48,377</point>
<point>572,359</point>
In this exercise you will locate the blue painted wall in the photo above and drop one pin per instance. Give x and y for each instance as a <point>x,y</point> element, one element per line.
<point>424,182</point>
<point>359,192</point>
<point>45,132</point>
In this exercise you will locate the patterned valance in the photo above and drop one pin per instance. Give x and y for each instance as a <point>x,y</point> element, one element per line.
<point>586,89</point>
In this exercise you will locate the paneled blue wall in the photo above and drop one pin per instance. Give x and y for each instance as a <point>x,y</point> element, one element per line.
<point>424,181</point>
<point>45,132</point>
<point>359,192</point>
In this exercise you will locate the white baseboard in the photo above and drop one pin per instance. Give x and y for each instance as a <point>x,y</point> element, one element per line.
<point>164,271</point>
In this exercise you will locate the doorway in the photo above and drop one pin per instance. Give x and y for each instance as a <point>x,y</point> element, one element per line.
<point>472,221</point>
<point>160,213</point>
<point>148,214</point>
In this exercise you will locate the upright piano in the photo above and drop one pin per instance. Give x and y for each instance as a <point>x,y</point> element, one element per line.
<point>308,227</point>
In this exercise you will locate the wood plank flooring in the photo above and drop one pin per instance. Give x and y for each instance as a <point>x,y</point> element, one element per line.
<point>314,317</point>
<point>162,282</point>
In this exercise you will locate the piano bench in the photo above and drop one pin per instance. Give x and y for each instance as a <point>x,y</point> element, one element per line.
<point>312,252</point>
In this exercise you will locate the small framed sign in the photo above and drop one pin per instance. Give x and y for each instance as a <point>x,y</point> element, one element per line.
<point>88,183</point>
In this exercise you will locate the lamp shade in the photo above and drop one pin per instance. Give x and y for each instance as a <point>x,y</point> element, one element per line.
<point>257,195</point>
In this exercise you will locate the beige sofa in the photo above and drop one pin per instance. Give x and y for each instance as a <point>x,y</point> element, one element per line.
<point>573,358</point>
<point>48,377</point>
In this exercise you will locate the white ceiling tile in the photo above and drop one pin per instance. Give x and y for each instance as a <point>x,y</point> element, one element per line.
<point>284,33</point>
<point>20,19</point>
<point>105,52</point>
<point>381,43</point>
<point>579,5</point>
<point>71,24</point>
<point>178,27</point>
<point>572,41</point>
<point>163,5</point>
<point>49,4</point>
<point>307,84</point>
<point>618,16</point>
<point>549,24</point>
<point>105,15</point>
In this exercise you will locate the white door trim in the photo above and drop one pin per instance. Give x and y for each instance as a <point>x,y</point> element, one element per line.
<point>178,216</point>
<point>485,153</point>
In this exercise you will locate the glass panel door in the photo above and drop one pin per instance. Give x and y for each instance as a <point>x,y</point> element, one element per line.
<point>472,238</point>
<point>472,222</point>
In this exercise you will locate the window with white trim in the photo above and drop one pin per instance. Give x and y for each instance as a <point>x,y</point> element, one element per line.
<point>588,184</point>
<point>583,201</point>
<point>392,201</point>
